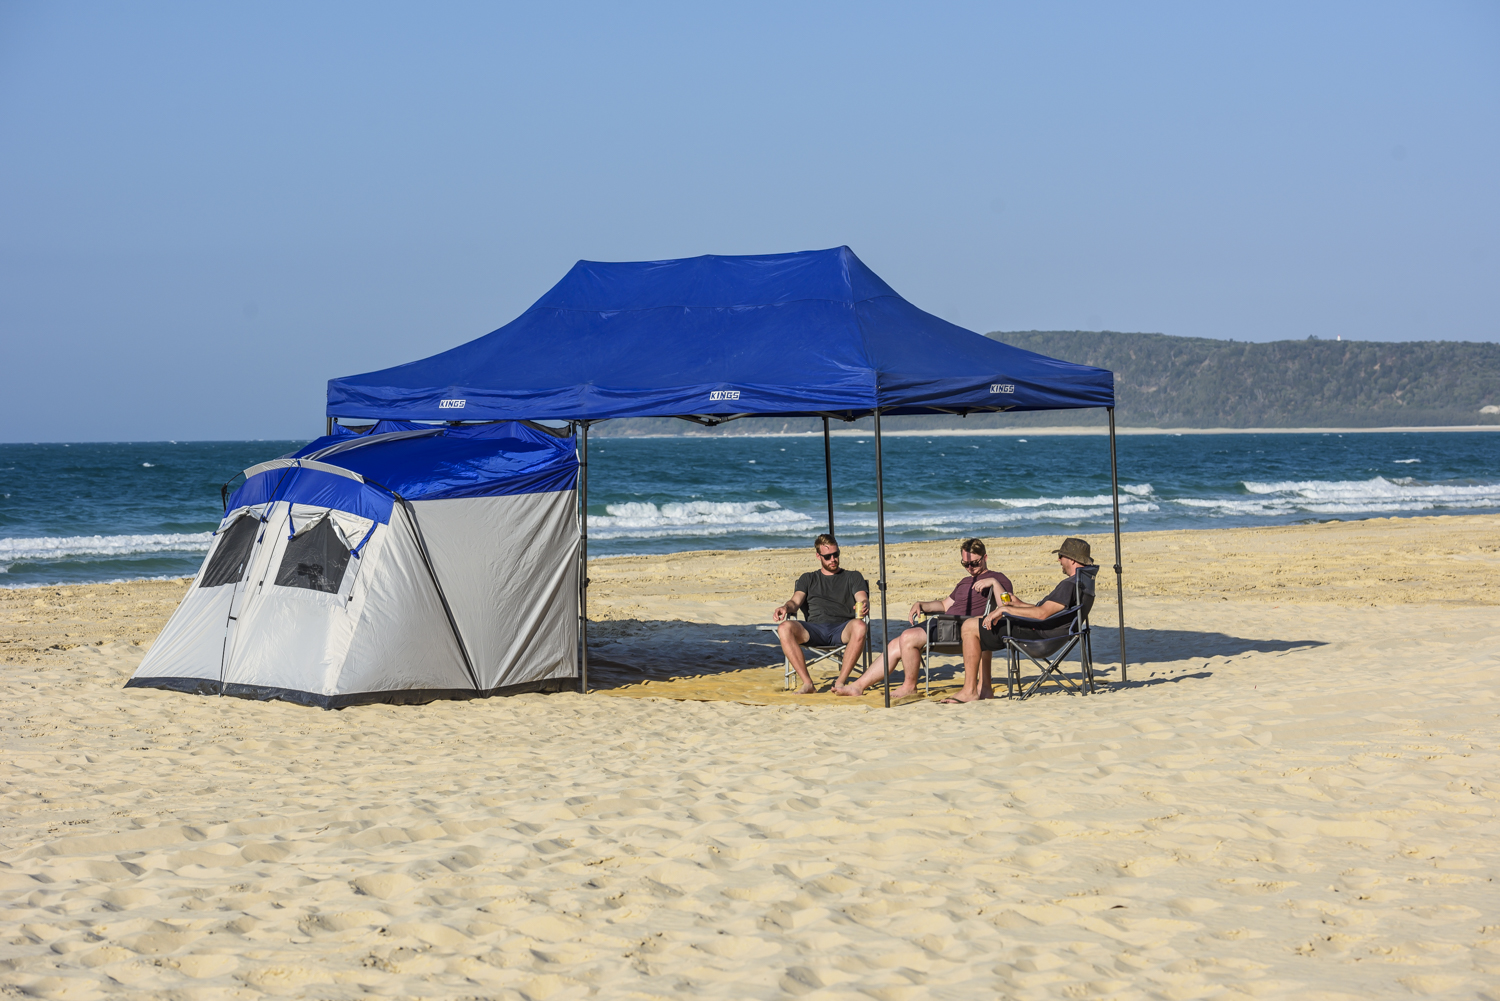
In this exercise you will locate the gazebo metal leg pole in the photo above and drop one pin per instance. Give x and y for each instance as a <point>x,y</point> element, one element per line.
<point>583,562</point>
<point>1114,487</point>
<point>885,626</point>
<point>328,425</point>
<point>828,472</point>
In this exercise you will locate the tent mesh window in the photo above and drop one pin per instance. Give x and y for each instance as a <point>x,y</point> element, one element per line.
<point>315,559</point>
<point>233,555</point>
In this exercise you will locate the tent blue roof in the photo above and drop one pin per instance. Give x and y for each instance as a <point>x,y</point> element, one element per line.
<point>781,335</point>
<point>419,462</point>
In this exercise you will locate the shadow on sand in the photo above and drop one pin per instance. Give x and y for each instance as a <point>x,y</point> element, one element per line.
<point>628,651</point>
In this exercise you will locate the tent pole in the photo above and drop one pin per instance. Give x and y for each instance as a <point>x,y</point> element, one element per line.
<point>885,626</point>
<point>1114,488</point>
<point>828,472</point>
<point>328,426</point>
<point>583,563</point>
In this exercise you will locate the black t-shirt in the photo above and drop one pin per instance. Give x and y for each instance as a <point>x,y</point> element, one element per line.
<point>1063,594</point>
<point>830,597</point>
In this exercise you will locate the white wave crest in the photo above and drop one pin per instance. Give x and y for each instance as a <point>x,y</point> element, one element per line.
<point>50,548</point>
<point>959,522</point>
<point>644,520</point>
<point>1141,490</point>
<point>1332,497</point>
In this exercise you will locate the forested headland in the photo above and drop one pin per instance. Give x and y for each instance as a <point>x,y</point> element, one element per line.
<point>1198,382</point>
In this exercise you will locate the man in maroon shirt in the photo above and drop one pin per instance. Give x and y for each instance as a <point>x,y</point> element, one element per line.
<point>969,598</point>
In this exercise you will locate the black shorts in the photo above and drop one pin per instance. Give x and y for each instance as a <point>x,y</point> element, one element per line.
<point>994,639</point>
<point>825,633</point>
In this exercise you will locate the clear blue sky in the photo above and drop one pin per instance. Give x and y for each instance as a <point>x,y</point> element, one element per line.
<point>207,210</point>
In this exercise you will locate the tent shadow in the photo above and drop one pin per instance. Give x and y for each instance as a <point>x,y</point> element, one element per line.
<point>1152,646</point>
<point>626,652</point>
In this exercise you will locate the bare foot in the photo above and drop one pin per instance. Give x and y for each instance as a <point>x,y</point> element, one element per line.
<point>958,698</point>
<point>903,692</point>
<point>846,690</point>
<point>807,688</point>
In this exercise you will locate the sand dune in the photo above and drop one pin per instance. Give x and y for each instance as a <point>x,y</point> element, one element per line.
<point>1293,797</point>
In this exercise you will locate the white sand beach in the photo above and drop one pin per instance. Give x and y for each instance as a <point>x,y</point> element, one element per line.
<point>1293,796</point>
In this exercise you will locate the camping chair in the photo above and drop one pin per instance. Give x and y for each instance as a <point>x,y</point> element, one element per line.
<point>948,647</point>
<point>1053,650</point>
<point>822,653</point>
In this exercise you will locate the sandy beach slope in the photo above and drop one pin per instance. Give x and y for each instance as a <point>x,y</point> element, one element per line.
<point>1293,796</point>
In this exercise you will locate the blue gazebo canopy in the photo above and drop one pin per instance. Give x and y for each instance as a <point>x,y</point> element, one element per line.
<point>713,338</point>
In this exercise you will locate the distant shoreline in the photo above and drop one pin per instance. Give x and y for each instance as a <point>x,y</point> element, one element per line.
<point>1041,432</point>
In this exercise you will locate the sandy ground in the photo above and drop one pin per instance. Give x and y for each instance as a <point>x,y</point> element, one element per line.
<point>1292,796</point>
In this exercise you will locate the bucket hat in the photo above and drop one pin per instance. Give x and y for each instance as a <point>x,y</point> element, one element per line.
<point>1076,550</point>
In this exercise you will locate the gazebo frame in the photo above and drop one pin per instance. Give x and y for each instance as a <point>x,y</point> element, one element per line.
<point>582,431</point>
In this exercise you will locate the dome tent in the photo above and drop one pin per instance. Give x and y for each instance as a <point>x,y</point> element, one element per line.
<point>403,564</point>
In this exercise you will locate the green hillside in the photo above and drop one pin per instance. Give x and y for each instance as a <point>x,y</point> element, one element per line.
<point>1165,381</point>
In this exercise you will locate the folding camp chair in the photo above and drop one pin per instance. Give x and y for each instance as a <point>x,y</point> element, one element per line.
<point>1052,650</point>
<point>822,653</point>
<point>934,623</point>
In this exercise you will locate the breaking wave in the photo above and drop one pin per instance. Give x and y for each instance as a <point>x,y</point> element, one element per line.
<point>64,547</point>
<point>644,520</point>
<point>1333,497</point>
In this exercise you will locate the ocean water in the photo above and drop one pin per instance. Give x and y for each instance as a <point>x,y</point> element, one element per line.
<point>98,512</point>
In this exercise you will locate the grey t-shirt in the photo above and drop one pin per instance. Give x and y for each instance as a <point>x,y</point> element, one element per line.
<point>830,597</point>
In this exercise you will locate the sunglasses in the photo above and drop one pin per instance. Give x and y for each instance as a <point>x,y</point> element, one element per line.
<point>970,566</point>
<point>829,556</point>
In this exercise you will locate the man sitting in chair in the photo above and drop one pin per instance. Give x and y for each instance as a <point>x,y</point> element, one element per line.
<point>987,634</point>
<point>969,598</point>
<point>836,602</point>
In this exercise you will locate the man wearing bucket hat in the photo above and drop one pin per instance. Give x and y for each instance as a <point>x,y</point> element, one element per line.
<point>984,634</point>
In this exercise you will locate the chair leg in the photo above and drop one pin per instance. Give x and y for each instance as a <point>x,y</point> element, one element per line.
<point>1051,668</point>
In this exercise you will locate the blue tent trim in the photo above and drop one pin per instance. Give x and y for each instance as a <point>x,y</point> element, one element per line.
<point>315,487</point>
<point>484,460</point>
<point>815,332</point>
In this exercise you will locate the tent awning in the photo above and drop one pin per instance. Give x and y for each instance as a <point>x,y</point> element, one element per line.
<point>713,337</point>
<point>356,473</point>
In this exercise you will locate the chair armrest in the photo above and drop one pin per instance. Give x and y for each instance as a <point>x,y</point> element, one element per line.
<point>1062,618</point>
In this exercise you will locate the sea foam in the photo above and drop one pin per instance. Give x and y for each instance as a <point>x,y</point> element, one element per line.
<point>63,547</point>
<point>644,520</point>
<point>1332,497</point>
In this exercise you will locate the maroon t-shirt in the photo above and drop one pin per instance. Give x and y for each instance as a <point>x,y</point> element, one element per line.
<point>967,601</point>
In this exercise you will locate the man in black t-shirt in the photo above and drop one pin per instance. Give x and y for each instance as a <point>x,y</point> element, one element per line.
<point>986,634</point>
<point>835,601</point>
